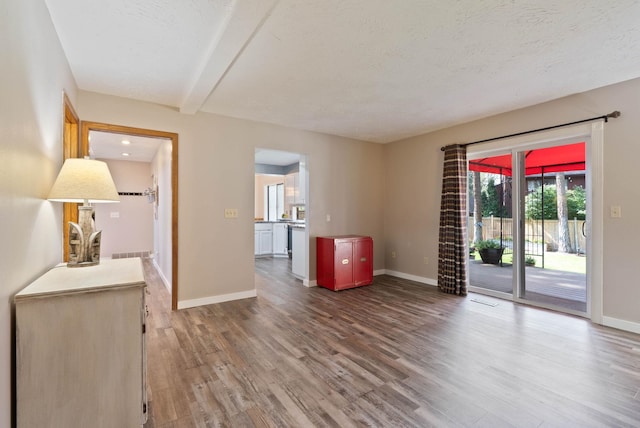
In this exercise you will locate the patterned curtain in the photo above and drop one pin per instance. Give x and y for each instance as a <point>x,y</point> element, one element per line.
<point>453,256</point>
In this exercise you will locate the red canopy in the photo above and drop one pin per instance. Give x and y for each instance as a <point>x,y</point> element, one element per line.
<point>570,157</point>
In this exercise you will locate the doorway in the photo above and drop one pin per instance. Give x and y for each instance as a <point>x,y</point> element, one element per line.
<point>161,194</point>
<point>539,200</point>
<point>281,233</point>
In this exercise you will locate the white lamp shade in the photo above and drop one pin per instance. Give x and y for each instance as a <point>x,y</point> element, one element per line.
<point>84,180</point>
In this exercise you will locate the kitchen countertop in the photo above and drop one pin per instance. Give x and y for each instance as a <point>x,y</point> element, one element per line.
<point>293,223</point>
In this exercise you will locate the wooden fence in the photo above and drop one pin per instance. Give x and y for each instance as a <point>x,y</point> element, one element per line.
<point>535,231</point>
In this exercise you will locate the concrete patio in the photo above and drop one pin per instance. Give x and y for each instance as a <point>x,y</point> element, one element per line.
<point>564,289</point>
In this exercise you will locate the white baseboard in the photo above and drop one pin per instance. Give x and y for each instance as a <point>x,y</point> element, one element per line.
<point>631,326</point>
<point>421,279</point>
<point>183,304</point>
<point>314,283</point>
<point>164,279</point>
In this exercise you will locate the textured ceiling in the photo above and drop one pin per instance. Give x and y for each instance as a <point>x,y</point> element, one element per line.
<point>107,145</point>
<point>376,70</point>
<point>276,157</point>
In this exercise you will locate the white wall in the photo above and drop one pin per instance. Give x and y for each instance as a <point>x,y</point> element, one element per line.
<point>33,75</point>
<point>216,171</point>
<point>413,183</point>
<point>161,170</point>
<point>132,231</point>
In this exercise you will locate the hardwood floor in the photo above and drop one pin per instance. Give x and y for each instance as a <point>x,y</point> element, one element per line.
<point>395,353</point>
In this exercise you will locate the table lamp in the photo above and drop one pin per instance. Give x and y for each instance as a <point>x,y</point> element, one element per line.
<point>84,181</point>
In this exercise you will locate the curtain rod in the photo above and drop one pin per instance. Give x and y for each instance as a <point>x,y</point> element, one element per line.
<point>606,117</point>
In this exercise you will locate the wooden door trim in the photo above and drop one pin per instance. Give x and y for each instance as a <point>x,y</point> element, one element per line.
<point>86,127</point>
<point>70,149</point>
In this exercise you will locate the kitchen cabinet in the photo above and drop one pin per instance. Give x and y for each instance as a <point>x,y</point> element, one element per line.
<point>295,188</point>
<point>289,190</point>
<point>280,239</point>
<point>80,347</point>
<point>301,185</point>
<point>344,261</point>
<point>263,239</point>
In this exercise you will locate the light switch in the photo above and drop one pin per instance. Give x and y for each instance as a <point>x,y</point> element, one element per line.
<point>230,213</point>
<point>616,211</point>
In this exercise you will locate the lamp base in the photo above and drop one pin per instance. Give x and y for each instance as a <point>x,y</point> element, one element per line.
<point>84,241</point>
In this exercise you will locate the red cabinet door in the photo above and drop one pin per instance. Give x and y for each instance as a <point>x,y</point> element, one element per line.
<point>363,261</point>
<point>343,264</point>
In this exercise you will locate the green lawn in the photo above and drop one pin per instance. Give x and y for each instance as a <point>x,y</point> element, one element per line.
<point>554,261</point>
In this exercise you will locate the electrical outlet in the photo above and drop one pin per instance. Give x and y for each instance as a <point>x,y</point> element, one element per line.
<point>616,211</point>
<point>426,260</point>
<point>230,213</point>
<point>328,217</point>
<point>393,254</point>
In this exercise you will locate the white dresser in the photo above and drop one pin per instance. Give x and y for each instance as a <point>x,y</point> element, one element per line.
<point>80,347</point>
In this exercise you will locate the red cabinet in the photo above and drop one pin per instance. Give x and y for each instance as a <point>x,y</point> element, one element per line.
<point>344,261</point>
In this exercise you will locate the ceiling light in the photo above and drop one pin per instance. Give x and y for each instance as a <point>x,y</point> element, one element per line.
<point>126,142</point>
<point>126,154</point>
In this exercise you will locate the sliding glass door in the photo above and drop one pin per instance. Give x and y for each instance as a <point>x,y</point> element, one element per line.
<point>555,213</point>
<point>491,224</point>
<point>530,206</point>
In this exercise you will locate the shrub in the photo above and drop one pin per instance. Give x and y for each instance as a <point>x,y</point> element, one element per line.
<point>488,243</point>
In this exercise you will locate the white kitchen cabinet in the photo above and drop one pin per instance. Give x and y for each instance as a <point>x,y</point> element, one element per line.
<point>302,185</point>
<point>266,242</point>
<point>295,188</point>
<point>280,239</point>
<point>289,190</point>
<point>80,347</point>
<point>263,235</point>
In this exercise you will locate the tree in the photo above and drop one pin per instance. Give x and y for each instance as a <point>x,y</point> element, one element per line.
<point>577,203</point>
<point>536,208</point>
<point>564,239</point>
<point>491,199</point>
<point>477,210</point>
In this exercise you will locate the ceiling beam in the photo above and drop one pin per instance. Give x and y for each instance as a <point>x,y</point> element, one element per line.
<point>242,23</point>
